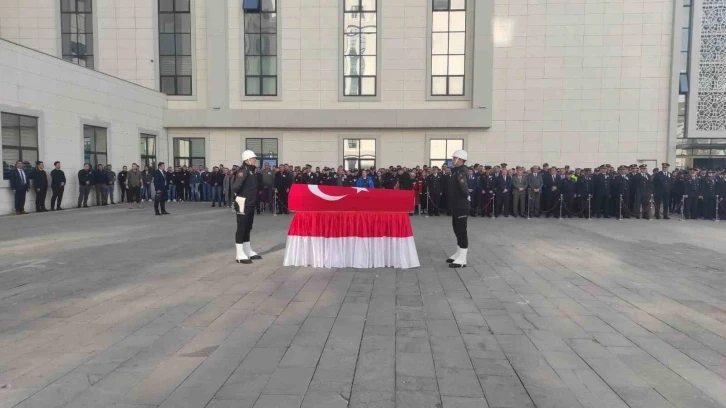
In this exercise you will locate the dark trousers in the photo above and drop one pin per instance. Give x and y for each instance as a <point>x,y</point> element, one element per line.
<point>622,206</point>
<point>569,205</point>
<point>134,194</point>
<point>434,203</point>
<point>486,204</point>
<point>551,199</point>
<point>123,192</point>
<point>504,203</point>
<point>602,206</point>
<point>533,204</point>
<point>57,197</point>
<point>40,198</point>
<point>709,211</point>
<point>282,201</point>
<point>160,202</point>
<point>101,194</point>
<point>20,199</point>
<point>640,201</point>
<point>662,200</point>
<point>519,203</point>
<point>586,203</point>
<point>459,221</point>
<point>83,192</point>
<point>691,208</point>
<point>244,225</point>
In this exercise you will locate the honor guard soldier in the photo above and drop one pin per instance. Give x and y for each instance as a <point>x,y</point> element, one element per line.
<point>662,185</point>
<point>622,192</point>
<point>245,197</point>
<point>459,206</point>
<point>641,190</point>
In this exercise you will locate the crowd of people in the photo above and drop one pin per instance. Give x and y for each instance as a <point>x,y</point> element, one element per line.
<point>495,191</point>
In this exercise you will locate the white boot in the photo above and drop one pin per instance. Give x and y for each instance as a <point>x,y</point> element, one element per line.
<point>241,257</point>
<point>460,262</point>
<point>453,257</point>
<point>249,252</point>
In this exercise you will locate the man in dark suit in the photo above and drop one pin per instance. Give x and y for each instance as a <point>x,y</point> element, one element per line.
<point>161,186</point>
<point>504,194</point>
<point>602,193</point>
<point>551,187</point>
<point>621,191</point>
<point>641,191</point>
<point>19,183</point>
<point>40,184</point>
<point>534,184</point>
<point>58,185</point>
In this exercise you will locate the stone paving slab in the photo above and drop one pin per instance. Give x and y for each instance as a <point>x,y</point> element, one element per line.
<point>117,308</point>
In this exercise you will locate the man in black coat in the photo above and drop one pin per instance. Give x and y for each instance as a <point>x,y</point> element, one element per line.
<point>585,190</point>
<point>85,181</point>
<point>621,189</point>
<point>161,189</point>
<point>708,192</point>
<point>122,182</point>
<point>283,183</point>
<point>20,184</point>
<point>40,184</point>
<point>433,185</point>
<point>100,182</point>
<point>551,188</point>
<point>486,191</point>
<point>602,193</point>
<point>692,190</point>
<point>57,185</point>
<point>662,184</point>
<point>503,185</point>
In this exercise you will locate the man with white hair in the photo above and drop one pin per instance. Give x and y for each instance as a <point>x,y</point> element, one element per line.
<point>459,206</point>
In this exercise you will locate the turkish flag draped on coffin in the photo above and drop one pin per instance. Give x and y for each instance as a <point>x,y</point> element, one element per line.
<point>350,227</point>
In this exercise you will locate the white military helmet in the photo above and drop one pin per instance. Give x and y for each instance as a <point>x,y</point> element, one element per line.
<point>248,154</point>
<point>461,154</point>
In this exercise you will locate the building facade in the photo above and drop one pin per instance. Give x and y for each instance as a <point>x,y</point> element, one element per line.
<point>366,82</point>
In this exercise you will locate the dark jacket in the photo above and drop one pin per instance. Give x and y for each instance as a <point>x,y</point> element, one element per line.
<point>458,189</point>
<point>283,181</point>
<point>662,183</point>
<point>99,177</point>
<point>405,182</point>
<point>57,178</point>
<point>85,177</point>
<point>40,179</point>
<point>16,181</point>
<point>341,181</point>
<point>548,183</point>
<point>693,187</point>
<point>504,183</point>
<point>161,180</point>
<point>433,184</point>
<point>641,185</point>
<point>708,187</point>
<point>621,186</point>
<point>122,177</point>
<point>245,185</point>
<point>585,186</point>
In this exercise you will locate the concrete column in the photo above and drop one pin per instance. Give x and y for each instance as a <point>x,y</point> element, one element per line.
<point>217,58</point>
<point>483,57</point>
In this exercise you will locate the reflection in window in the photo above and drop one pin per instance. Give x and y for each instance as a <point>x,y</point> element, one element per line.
<point>266,150</point>
<point>360,48</point>
<point>175,47</point>
<point>260,20</point>
<point>359,153</point>
<point>442,150</point>
<point>19,141</point>
<point>77,32</point>
<point>95,147</point>
<point>189,152</point>
<point>448,47</point>
<point>683,78</point>
<point>148,150</point>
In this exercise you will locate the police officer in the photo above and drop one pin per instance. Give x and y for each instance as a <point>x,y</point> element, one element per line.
<point>602,193</point>
<point>245,193</point>
<point>692,191</point>
<point>584,191</point>
<point>459,206</point>
<point>642,189</point>
<point>433,184</point>
<point>708,192</point>
<point>662,185</point>
<point>621,188</point>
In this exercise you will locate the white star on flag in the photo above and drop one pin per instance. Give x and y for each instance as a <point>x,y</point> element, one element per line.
<point>359,189</point>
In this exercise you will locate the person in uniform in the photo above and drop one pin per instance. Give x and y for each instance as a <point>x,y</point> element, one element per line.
<point>721,193</point>
<point>584,191</point>
<point>535,183</point>
<point>641,190</point>
<point>602,193</point>
<point>503,184</point>
<point>433,185</point>
<point>486,191</point>
<point>569,190</point>
<point>459,206</point>
<point>622,192</point>
<point>283,183</point>
<point>245,187</point>
<point>662,185</point>
<point>691,192</point>
<point>708,192</point>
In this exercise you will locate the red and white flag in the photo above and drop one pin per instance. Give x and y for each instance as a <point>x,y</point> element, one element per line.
<point>344,227</point>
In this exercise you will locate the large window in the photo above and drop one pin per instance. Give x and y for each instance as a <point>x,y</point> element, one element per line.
<point>266,150</point>
<point>77,32</point>
<point>148,150</point>
<point>683,77</point>
<point>19,141</point>
<point>441,151</point>
<point>95,149</point>
<point>189,152</point>
<point>448,47</point>
<point>260,20</point>
<point>175,47</point>
<point>359,48</point>
<point>359,153</point>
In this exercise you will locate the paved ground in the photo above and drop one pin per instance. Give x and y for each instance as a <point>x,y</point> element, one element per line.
<point>117,308</point>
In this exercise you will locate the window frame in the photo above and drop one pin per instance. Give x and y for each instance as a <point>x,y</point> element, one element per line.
<point>148,159</point>
<point>176,159</point>
<point>469,9</point>
<point>261,154</point>
<point>342,36</point>
<point>29,166</point>
<point>243,69</point>
<point>260,32</point>
<point>94,29</point>
<point>93,160</point>
<point>446,148</point>
<point>157,42</point>
<point>359,157</point>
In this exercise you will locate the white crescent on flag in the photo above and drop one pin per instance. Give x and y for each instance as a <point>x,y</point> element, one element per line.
<point>327,197</point>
